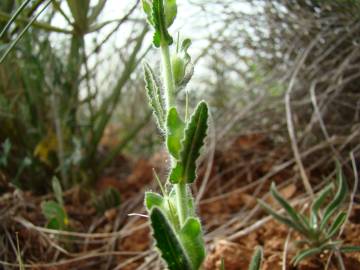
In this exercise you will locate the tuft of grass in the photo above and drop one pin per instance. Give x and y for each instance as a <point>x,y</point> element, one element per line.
<point>319,229</point>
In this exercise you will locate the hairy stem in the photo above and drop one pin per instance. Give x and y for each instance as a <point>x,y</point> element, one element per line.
<point>181,192</point>
<point>168,76</point>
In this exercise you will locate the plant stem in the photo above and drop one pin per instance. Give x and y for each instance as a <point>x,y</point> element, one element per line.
<point>181,192</point>
<point>168,76</point>
<point>181,202</point>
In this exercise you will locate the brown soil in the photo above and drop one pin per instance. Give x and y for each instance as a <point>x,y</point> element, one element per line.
<point>228,210</point>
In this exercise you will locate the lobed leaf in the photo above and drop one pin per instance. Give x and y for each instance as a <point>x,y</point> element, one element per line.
<point>175,131</point>
<point>256,259</point>
<point>153,91</point>
<point>167,242</point>
<point>194,136</point>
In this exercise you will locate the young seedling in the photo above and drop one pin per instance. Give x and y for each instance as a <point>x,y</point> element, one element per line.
<point>175,226</point>
<point>320,228</point>
<point>54,211</point>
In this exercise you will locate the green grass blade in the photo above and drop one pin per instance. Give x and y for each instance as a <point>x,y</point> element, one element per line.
<point>348,249</point>
<point>13,17</point>
<point>167,242</point>
<point>256,259</point>
<point>22,33</point>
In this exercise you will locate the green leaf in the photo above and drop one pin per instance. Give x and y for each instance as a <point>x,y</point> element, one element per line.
<point>181,65</point>
<point>317,204</point>
<point>170,12</point>
<point>153,91</point>
<point>153,199</point>
<point>336,225</point>
<point>175,132</point>
<point>147,7</point>
<point>56,186</point>
<point>167,242</point>
<point>165,204</point>
<point>159,23</point>
<point>53,224</point>
<point>195,133</point>
<point>305,254</point>
<point>222,264</point>
<point>192,241</point>
<point>53,210</point>
<point>335,204</point>
<point>289,209</point>
<point>256,259</point>
<point>348,249</point>
<point>281,218</point>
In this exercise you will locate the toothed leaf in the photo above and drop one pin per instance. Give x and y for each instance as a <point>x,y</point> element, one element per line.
<point>167,242</point>
<point>159,23</point>
<point>194,136</point>
<point>175,132</point>
<point>154,95</point>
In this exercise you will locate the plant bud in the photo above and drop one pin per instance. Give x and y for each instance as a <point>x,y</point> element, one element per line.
<point>178,67</point>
